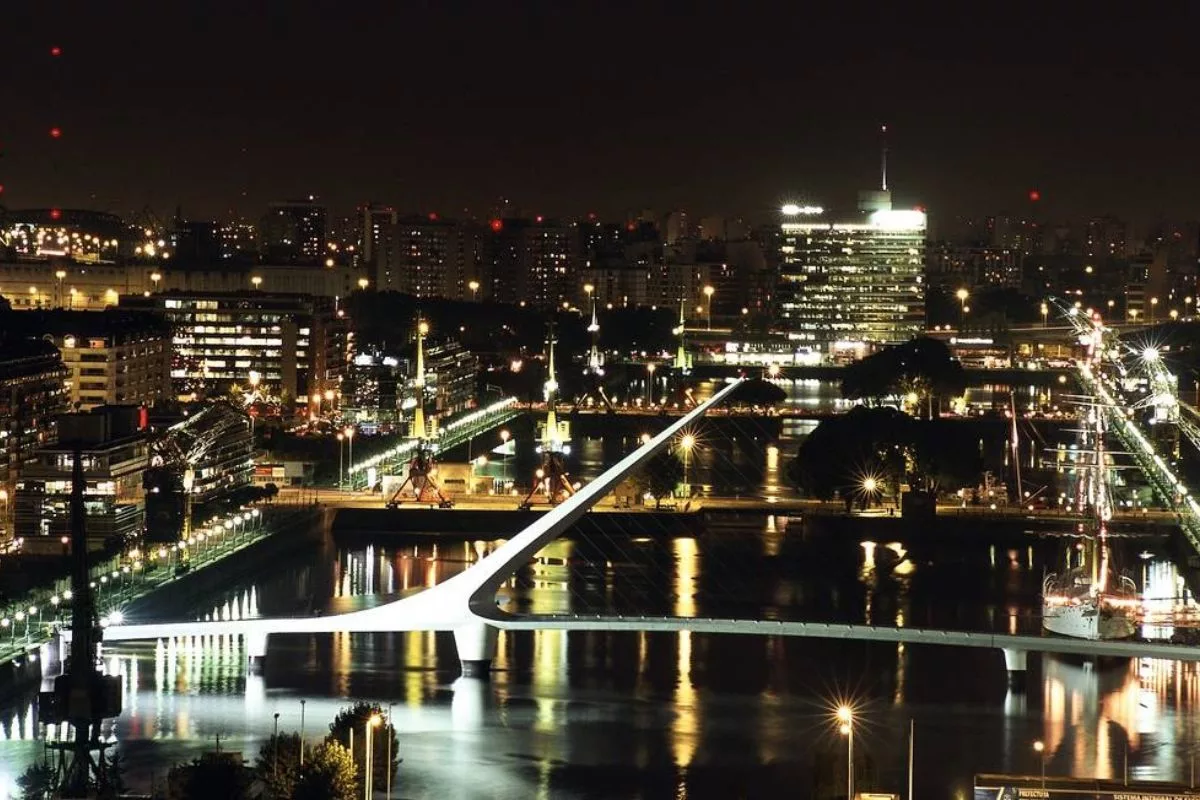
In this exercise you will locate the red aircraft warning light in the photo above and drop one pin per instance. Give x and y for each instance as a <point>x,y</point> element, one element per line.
<point>55,132</point>
<point>497,225</point>
<point>1035,195</point>
<point>55,213</point>
<point>56,51</point>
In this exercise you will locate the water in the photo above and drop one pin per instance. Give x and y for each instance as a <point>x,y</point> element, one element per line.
<point>627,715</point>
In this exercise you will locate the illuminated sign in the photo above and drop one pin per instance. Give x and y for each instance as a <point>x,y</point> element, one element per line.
<point>898,220</point>
<point>793,210</point>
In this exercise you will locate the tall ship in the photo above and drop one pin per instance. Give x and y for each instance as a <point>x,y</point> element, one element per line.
<point>1090,598</point>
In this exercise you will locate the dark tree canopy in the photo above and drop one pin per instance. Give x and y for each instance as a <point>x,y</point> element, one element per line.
<point>213,776</point>
<point>278,765</point>
<point>661,475</point>
<point>328,774</point>
<point>923,367</point>
<point>887,445</point>
<point>757,392</point>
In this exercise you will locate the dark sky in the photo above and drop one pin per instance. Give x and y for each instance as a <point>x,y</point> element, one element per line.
<point>568,107</point>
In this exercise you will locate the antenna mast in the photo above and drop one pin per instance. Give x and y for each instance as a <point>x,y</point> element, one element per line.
<point>883,132</point>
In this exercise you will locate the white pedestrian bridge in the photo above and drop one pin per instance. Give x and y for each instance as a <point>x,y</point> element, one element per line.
<point>466,603</point>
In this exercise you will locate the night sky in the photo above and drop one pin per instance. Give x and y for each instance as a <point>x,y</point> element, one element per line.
<point>570,107</point>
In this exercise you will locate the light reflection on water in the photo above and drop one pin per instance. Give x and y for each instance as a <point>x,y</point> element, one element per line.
<point>685,712</point>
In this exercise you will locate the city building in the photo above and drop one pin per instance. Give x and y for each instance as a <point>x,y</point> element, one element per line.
<point>114,357</point>
<point>32,380</point>
<point>1106,237</point>
<point>956,266</point>
<point>43,234</point>
<point>115,454</point>
<point>531,262</point>
<point>293,232</point>
<point>377,242</point>
<point>852,283</point>
<point>296,344</point>
<point>451,372</point>
<point>238,241</point>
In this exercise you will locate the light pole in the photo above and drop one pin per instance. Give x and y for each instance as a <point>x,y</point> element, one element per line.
<point>155,277</point>
<point>391,732</point>
<point>962,295</point>
<point>504,436</point>
<point>256,281</point>
<point>1153,305</point>
<point>363,283</point>
<point>687,443</point>
<point>1039,747</point>
<point>275,740</point>
<point>71,297</point>
<point>650,382</point>
<point>1045,314</point>
<point>368,778</point>
<point>708,293</point>
<point>845,716</point>
<point>59,274</point>
<point>341,469</point>
<point>474,287</point>
<point>302,702</point>
<point>350,454</point>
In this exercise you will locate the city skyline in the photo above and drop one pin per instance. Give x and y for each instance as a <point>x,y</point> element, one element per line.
<point>604,109</point>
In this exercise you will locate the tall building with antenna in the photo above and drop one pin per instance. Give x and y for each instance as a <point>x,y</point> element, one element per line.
<point>850,283</point>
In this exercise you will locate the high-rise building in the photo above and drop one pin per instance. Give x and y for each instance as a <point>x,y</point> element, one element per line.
<point>238,241</point>
<point>377,242</point>
<point>115,357</point>
<point>294,232</point>
<point>1105,238</point>
<point>32,377</point>
<point>297,344</point>
<point>115,455</point>
<point>531,261</point>
<point>854,282</point>
<point>434,258</point>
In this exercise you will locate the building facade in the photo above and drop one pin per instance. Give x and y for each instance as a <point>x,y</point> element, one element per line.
<point>32,381</point>
<point>851,284</point>
<point>115,455</point>
<point>297,344</point>
<point>294,232</point>
<point>114,357</point>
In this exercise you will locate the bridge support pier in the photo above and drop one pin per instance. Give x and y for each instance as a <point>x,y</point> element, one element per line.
<point>256,652</point>
<point>476,645</point>
<point>1016,663</point>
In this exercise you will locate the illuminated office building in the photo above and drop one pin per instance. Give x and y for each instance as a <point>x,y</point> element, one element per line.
<point>851,283</point>
<point>296,344</point>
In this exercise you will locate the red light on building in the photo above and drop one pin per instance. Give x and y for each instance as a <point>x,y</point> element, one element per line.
<point>56,51</point>
<point>497,225</point>
<point>1,188</point>
<point>433,216</point>
<point>921,209</point>
<point>540,218</point>
<point>1034,195</point>
<point>55,133</point>
<point>55,213</point>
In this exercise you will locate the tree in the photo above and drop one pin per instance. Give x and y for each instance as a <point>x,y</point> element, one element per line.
<point>278,765</point>
<point>329,774</point>
<point>922,367</point>
<point>356,718</point>
<point>661,475</point>
<point>213,776</point>
<point>38,782</point>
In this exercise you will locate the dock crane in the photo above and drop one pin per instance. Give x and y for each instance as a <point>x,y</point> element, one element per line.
<point>174,458</point>
<point>420,481</point>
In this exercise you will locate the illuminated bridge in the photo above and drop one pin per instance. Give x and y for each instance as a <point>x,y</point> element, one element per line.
<point>467,605</point>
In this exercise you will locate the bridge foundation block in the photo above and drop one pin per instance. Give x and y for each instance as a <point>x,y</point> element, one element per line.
<point>476,645</point>
<point>1016,664</point>
<point>256,651</point>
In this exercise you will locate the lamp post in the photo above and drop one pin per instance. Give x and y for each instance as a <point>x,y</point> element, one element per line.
<point>650,382</point>
<point>350,455</point>
<point>275,740</point>
<point>1045,314</point>
<point>58,294</point>
<point>1153,305</point>
<point>368,778</point>
<point>504,436</point>
<point>391,732</point>
<point>155,277</point>
<point>71,297</point>
<point>687,443</point>
<point>302,702</point>
<point>474,287</point>
<point>256,281</point>
<point>341,469</point>
<point>1039,747</point>
<point>708,293</point>
<point>962,295</point>
<point>845,716</point>
<point>363,283</point>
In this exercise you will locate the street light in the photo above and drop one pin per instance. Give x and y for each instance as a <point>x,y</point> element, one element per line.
<point>341,472</point>
<point>474,287</point>
<point>1039,747</point>
<point>687,443</point>
<point>155,277</point>
<point>650,367</point>
<point>962,295</point>
<point>1045,313</point>
<point>257,281</point>
<point>350,455</point>
<point>363,283</point>
<point>60,274</point>
<point>504,437</point>
<point>1153,305</point>
<point>708,293</point>
<point>845,718</point>
<point>368,780</point>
